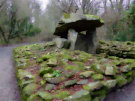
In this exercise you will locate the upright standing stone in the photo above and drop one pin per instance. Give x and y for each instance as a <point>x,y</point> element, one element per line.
<point>90,35</point>
<point>72,37</point>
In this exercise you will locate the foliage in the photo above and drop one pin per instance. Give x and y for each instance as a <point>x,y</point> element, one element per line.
<point>128,26</point>
<point>57,73</point>
<point>11,25</point>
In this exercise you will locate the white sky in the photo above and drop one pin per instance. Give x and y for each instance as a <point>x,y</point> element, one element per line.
<point>43,3</point>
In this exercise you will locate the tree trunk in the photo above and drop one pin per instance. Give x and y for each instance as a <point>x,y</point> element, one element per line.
<point>120,6</point>
<point>3,35</point>
<point>128,5</point>
<point>105,6</point>
<point>112,6</point>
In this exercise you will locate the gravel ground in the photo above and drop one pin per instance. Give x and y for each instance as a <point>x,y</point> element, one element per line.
<point>9,90</point>
<point>8,84</point>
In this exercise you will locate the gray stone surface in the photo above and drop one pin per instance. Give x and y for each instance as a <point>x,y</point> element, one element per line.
<point>49,87</point>
<point>84,42</point>
<point>79,22</point>
<point>62,43</point>
<point>82,95</point>
<point>80,30</point>
<point>82,82</point>
<point>72,37</point>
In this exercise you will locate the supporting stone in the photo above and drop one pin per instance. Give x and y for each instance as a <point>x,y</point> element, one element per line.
<point>72,37</point>
<point>81,43</point>
<point>91,40</point>
<point>62,43</point>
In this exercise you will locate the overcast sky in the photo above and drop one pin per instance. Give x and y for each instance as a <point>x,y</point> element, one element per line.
<point>45,2</point>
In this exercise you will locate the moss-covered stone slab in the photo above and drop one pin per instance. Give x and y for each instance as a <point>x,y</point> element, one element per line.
<point>76,21</point>
<point>46,73</point>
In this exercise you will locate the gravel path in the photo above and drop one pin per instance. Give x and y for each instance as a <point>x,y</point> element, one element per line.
<point>8,84</point>
<point>9,89</point>
<point>127,93</point>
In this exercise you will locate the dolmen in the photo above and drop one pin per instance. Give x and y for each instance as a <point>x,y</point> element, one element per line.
<point>78,32</point>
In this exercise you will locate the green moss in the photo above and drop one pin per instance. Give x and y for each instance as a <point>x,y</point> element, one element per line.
<point>30,88</point>
<point>93,86</point>
<point>34,97</point>
<point>94,16</point>
<point>121,80</point>
<point>45,95</point>
<point>81,95</point>
<point>101,93</point>
<point>98,77</point>
<point>86,74</point>
<point>66,15</point>
<point>24,74</point>
<point>28,53</point>
<point>62,94</point>
<point>40,60</point>
<point>52,62</point>
<point>45,70</point>
<point>43,82</point>
<point>30,58</point>
<point>74,67</point>
<point>109,83</point>
<point>46,57</point>
<point>97,68</point>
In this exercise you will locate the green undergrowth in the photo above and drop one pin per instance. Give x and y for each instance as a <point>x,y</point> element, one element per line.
<point>46,73</point>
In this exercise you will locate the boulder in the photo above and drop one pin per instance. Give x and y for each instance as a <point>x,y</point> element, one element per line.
<point>48,75</point>
<point>110,70</point>
<point>121,80</point>
<point>55,80</point>
<point>110,83</point>
<point>45,95</point>
<point>45,70</point>
<point>82,82</point>
<point>52,62</point>
<point>62,43</point>
<point>98,77</point>
<point>30,88</point>
<point>22,74</point>
<point>126,68</point>
<point>82,95</point>
<point>70,83</point>
<point>86,74</point>
<point>93,86</point>
<point>49,87</point>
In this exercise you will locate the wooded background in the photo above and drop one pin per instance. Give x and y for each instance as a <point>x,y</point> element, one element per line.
<point>26,21</point>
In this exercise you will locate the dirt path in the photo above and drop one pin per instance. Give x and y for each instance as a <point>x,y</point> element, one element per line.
<point>9,89</point>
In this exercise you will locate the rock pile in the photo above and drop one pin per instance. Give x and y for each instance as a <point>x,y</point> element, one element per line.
<point>119,49</point>
<point>46,73</point>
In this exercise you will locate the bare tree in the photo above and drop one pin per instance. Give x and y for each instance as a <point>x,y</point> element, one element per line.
<point>88,6</point>
<point>128,4</point>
